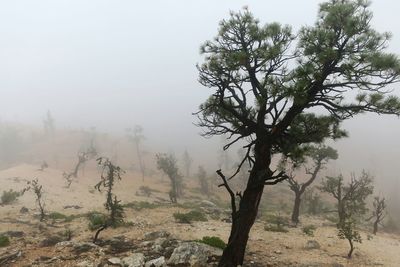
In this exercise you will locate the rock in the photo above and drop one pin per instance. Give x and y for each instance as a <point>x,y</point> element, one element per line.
<point>312,244</point>
<point>134,260</point>
<point>155,235</point>
<point>193,254</point>
<point>114,261</point>
<point>85,264</point>
<point>159,262</point>
<point>119,244</point>
<point>24,210</point>
<point>50,241</point>
<point>72,207</point>
<point>278,252</point>
<point>79,248</point>
<point>206,203</point>
<point>13,234</point>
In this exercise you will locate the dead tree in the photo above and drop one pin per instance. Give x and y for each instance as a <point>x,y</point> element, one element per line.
<point>37,189</point>
<point>378,213</point>
<point>83,156</point>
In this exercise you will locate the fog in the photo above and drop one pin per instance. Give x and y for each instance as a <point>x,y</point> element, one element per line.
<point>114,64</point>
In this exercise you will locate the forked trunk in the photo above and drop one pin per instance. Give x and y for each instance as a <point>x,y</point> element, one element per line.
<point>243,220</point>
<point>296,208</point>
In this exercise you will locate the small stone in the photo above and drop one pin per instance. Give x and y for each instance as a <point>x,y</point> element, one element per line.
<point>24,210</point>
<point>114,261</point>
<point>159,262</point>
<point>312,244</point>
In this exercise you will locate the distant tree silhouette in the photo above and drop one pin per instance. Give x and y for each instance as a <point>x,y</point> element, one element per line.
<point>378,213</point>
<point>187,162</point>
<point>136,136</point>
<point>351,203</point>
<point>168,165</point>
<point>318,156</point>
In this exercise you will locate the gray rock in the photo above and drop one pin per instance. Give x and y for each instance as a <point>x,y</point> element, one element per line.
<point>159,262</point>
<point>115,261</point>
<point>133,260</point>
<point>312,244</point>
<point>206,203</point>
<point>14,234</point>
<point>50,241</point>
<point>85,264</point>
<point>24,210</point>
<point>193,254</point>
<point>155,235</point>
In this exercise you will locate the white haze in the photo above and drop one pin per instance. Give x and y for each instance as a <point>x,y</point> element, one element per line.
<point>112,64</point>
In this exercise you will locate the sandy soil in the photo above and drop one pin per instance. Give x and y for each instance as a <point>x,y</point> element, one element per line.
<point>278,249</point>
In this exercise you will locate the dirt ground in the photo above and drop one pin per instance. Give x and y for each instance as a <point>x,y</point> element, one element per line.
<point>264,248</point>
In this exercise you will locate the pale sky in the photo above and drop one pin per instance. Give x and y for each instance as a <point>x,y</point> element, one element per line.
<point>112,64</point>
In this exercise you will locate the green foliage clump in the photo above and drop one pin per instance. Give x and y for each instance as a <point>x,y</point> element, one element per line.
<point>4,241</point>
<point>96,220</point>
<point>213,241</point>
<point>191,216</point>
<point>348,231</point>
<point>9,196</point>
<point>309,229</point>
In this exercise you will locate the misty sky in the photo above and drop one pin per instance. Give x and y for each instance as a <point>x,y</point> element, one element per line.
<point>112,64</point>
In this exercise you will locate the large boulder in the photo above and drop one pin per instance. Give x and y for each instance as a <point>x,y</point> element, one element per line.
<point>193,254</point>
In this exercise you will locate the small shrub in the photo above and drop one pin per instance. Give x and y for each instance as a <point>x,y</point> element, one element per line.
<point>309,230</point>
<point>96,220</point>
<point>275,228</point>
<point>190,216</point>
<point>67,234</point>
<point>276,223</point>
<point>57,216</point>
<point>4,241</point>
<point>139,205</point>
<point>9,196</point>
<point>146,191</point>
<point>213,241</point>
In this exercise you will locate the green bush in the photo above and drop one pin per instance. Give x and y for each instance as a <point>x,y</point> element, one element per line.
<point>4,241</point>
<point>96,220</point>
<point>191,216</point>
<point>9,196</point>
<point>309,229</point>
<point>213,241</point>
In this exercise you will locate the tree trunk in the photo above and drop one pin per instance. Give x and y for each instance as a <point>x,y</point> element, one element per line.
<point>351,249</point>
<point>375,227</point>
<point>244,218</point>
<point>233,254</point>
<point>296,208</point>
